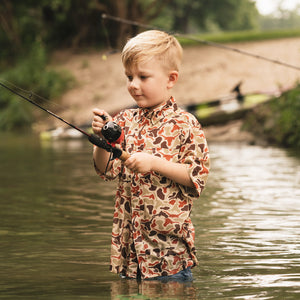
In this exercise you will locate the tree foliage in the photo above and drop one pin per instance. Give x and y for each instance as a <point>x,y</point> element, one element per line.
<point>75,23</point>
<point>207,15</point>
<point>29,29</point>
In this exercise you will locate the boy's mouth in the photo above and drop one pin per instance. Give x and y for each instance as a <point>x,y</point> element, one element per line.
<point>137,95</point>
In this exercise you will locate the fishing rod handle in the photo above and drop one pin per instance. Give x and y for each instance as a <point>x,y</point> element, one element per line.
<point>124,156</point>
<point>101,143</point>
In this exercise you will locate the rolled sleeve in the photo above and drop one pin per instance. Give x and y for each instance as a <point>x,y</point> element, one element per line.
<point>195,155</point>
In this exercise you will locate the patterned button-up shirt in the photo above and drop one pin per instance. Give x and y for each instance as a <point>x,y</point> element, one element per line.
<point>152,228</point>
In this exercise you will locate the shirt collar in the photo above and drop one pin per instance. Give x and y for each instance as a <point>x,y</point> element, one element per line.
<point>156,114</point>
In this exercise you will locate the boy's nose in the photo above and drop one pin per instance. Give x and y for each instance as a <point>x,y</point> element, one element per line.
<point>134,83</point>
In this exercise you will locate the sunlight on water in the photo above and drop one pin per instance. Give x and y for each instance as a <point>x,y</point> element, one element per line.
<point>254,204</point>
<point>56,218</point>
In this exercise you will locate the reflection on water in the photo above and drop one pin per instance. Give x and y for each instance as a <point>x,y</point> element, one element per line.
<point>250,225</point>
<point>130,289</point>
<point>56,218</point>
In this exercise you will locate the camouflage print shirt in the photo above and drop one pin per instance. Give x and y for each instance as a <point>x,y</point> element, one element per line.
<point>152,228</point>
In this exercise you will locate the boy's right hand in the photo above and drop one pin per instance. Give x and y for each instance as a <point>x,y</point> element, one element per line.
<point>99,120</point>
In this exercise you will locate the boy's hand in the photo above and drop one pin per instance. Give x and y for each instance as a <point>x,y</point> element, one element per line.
<point>140,162</point>
<point>98,120</point>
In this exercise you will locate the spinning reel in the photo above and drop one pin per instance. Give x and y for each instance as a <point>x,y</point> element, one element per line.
<point>112,131</point>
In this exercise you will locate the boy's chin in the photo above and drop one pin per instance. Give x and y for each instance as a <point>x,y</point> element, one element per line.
<point>142,104</point>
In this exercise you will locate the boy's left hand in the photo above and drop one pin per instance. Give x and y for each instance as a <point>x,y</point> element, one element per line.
<point>140,162</point>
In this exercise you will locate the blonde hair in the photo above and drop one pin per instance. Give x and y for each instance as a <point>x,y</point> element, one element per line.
<point>153,44</point>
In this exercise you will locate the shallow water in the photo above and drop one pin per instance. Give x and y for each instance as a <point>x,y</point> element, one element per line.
<point>56,218</point>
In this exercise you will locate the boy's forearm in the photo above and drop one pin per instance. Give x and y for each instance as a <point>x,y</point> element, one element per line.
<point>101,158</point>
<point>174,171</point>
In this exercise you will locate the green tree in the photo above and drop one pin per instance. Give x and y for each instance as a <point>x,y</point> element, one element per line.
<point>227,14</point>
<point>136,10</point>
<point>29,29</point>
<point>69,23</point>
<point>76,23</point>
<point>203,15</point>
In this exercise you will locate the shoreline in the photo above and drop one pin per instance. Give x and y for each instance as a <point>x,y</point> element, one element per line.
<point>206,74</point>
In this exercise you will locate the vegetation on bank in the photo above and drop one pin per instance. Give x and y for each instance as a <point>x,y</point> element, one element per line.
<point>277,122</point>
<point>31,73</point>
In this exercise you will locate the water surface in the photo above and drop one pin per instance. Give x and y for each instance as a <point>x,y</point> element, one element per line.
<point>56,218</point>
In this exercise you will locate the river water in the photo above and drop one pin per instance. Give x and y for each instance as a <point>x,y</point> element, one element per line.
<point>56,217</point>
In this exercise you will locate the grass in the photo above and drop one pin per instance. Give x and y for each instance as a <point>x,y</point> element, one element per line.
<point>237,36</point>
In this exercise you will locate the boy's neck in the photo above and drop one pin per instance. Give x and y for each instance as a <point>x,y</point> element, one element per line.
<point>157,107</point>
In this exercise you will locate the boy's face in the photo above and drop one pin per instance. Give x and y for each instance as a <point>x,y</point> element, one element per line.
<point>149,84</point>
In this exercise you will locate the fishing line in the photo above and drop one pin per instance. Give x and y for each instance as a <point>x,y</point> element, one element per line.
<point>93,138</point>
<point>106,35</point>
<point>31,95</point>
<point>213,44</point>
<point>42,108</point>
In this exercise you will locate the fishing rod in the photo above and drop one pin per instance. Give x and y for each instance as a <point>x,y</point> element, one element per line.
<point>111,131</point>
<point>213,44</point>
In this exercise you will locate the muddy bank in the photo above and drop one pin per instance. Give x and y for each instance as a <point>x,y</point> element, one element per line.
<point>206,73</point>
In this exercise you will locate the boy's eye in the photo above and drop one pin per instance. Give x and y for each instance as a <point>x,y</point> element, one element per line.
<point>142,77</point>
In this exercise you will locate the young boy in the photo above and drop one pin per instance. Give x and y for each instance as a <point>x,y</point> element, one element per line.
<point>153,236</point>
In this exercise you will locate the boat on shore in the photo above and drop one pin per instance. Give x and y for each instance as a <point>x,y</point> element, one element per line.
<point>229,108</point>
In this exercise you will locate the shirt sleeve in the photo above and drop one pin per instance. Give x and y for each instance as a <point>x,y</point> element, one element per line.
<point>195,154</point>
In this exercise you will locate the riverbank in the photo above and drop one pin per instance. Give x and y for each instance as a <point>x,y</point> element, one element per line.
<point>206,73</point>
<point>230,132</point>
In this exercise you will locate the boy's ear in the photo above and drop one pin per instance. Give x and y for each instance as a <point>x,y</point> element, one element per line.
<point>173,77</point>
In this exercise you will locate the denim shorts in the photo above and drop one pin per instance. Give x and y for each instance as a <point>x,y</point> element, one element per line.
<point>182,276</point>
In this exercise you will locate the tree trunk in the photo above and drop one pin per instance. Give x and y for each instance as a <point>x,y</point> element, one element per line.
<point>7,23</point>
